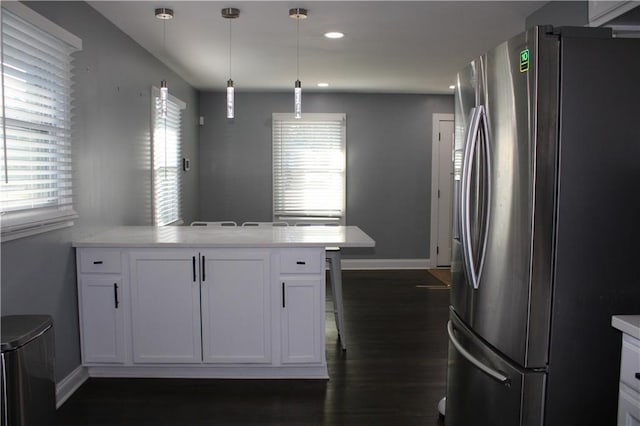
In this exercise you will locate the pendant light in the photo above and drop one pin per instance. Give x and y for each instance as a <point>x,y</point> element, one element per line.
<point>230,13</point>
<point>164,14</point>
<point>297,14</point>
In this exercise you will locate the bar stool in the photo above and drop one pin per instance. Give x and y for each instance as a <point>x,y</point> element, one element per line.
<point>265,224</point>
<point>221,223</point>
<point>334,258</point>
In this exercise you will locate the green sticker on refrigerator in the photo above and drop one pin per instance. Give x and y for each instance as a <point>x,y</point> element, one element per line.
<point>524,60</point>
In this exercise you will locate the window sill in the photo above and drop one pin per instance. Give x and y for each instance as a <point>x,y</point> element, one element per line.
<point>28,229</point>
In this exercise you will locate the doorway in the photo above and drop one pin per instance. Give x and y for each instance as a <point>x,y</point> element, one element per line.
<point>441,190</point>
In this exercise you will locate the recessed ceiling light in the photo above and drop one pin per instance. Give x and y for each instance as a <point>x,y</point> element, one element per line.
<point>452,87</point>
<point>334,34</point>
<point>323,84</point>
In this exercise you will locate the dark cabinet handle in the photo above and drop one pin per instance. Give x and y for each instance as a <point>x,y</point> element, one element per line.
<point>115,295</point>
<point>194,268</point>
<point>97,262</point>
<point>300,262</point>
<point>283,301</point>
<point>203,271</point>
<point>638,376</point>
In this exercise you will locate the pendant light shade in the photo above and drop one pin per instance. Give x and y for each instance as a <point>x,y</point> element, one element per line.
<point>230,99</point>
<point>297,100</point>
<point>230,13</point>
<point>164,14</point>
<point>297,14</point>
<point>164,98</point>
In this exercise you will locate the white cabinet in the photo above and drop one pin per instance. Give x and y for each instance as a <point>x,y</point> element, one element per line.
<point>229,312</point>
<point>628,409</point>
<point>302,306</point>
<point>211,306</point>
<point>629,396</point>
<point>236,306</point>
<point>302,332</point>
<point>102,324</point>
<point>165,307</point>
<point>100,294</point>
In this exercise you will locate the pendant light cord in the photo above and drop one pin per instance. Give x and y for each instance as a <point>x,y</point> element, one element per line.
<point>298,48</point>
<point>164,47</point>
<point>164,36</point>
<point>230,49</point>
<point>4,113</point>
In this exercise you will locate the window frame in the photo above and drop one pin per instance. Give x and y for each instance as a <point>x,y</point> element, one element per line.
<point>173,102</point>
<point>291,217</point>
<point>35,220</point>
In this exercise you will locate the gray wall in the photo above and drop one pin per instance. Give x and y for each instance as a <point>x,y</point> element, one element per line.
<point>388,163</point>
<point>113,79</point>
<point>574,13</point>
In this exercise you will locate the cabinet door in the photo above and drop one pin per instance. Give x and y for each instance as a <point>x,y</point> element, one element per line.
<point>165,310</point>
<point>302,320</point>
<point>236,314</point>
<point>628,408</point>
<point>101,323</point>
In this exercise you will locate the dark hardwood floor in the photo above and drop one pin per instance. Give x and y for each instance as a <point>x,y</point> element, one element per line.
<point>393,372</point>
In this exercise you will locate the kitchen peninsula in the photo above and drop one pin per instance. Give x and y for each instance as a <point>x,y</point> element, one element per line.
<point>210,302</point>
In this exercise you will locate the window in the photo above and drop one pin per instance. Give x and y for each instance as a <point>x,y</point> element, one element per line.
<point>309,167</point>
<point>35,152</point>
<point>167,161</point>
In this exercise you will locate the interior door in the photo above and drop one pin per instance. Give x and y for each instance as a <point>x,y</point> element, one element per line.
<point>445,192</point>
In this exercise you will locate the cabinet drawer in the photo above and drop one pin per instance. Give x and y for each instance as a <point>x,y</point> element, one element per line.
<point>630,363</point>
<point>301,261</point>
<point>99,261</point>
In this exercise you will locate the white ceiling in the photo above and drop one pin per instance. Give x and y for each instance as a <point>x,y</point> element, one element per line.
<point>389,46</point>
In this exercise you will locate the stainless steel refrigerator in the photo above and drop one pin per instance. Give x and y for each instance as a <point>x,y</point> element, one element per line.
<point>546,228</point>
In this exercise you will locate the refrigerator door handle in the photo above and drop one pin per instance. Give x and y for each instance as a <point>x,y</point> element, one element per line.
<point>465,193</point>
<point>473,360</point>
<point>477,123</point>
<point>487,167</point>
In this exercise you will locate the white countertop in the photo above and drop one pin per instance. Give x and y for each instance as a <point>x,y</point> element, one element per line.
<point>629,324</point>
<point>200,236</point>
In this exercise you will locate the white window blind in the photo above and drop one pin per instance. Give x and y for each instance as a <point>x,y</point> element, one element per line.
<point>35,164</point>
<point>309,158</point>
<point>167,161</point>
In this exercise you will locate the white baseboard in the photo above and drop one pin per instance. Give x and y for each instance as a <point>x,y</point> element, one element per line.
<point>203,371</point>
<point>67,386</point>
<point>355,264</point>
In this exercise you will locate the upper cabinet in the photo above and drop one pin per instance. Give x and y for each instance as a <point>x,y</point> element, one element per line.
<point>622,14</point>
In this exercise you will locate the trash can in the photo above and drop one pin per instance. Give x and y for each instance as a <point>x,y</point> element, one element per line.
<point>28,390</point>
